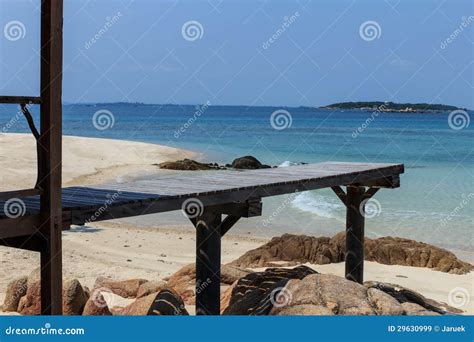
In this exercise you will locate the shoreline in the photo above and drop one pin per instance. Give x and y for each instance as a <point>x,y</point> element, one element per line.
<point>123,250</point>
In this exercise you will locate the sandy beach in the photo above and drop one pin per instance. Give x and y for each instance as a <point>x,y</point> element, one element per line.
<point>122,251</point>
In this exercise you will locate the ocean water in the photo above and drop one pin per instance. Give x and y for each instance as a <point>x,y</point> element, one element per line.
<point>434,203</point>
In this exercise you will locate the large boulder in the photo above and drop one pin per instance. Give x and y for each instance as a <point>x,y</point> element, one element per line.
<point>299,249</point>
<point>248,163</point>
<point>150,287</point>
<point>124,288</point>
<point>301,291</point>
<point>15,290</point>
<point>74,298</point>
<point>165,302</point>
<point>255,293</point>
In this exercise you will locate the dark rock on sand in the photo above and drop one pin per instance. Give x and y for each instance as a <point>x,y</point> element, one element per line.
<point>255,293</point>
<point>188,165</point>
<point>248,163</point>
<point>15,290</point>
<point>302,291</point>
<point>297,249</point>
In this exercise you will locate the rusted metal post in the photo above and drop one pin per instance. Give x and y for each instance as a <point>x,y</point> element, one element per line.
<point>50,154</point>
<point>355,234</point>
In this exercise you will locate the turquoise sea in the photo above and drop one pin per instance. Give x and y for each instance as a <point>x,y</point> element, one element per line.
<point>434,203</point>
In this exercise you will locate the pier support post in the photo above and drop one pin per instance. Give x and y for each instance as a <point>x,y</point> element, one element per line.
<point>355,234</point>
<point>208,262</point>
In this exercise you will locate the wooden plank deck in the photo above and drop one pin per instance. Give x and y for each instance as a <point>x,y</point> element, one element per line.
<point>168,192</point>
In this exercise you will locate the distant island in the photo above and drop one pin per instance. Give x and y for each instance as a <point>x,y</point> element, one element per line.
<point>391,107</point>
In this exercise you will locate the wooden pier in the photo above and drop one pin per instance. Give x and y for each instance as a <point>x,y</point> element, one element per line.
<point>213,200</point>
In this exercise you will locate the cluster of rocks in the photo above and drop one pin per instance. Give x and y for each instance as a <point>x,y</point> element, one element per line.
<point>144,297</point>
<point>275,291</point>
<point>303,291</point>
<point>300,249</point>
<point>242,163</point>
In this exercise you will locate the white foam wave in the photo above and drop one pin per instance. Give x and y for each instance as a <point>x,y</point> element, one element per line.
<point>319,205</point>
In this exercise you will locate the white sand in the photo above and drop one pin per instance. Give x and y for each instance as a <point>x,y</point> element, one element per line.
<point>122,251</point>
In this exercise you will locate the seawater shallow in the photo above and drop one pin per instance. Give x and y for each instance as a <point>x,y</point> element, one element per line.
<point>438,182</point>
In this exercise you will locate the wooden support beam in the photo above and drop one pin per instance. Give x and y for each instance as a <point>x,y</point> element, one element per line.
<point>50,142</point>
<point>249,208</point>
<point>340,193</point>
<point>208,262</point>
<point>370,193</point>
<point>228,223</point>
<point>355,235</point>
<point>389,182</point>
<point>20,99</point>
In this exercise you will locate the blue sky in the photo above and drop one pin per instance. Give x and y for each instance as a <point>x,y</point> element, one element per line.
<point>319,57</point>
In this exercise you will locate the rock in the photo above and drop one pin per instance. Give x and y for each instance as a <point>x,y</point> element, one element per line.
<point>184,280</point>
<point>249,163</point>
<point>74,298</point>
<point>301,291</point>
<point>226,296</point>
<point>30,304</point>
<point>125,288</point>
<point>150,287</point>
<point>165,302</point>
<point>96,306</point>
<point>187,165</point>
<point>404,295</point>
<point>255,293</point>
<point>322,250</point>
<point>15,290</point>
<point>383,303</point>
